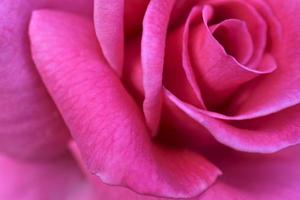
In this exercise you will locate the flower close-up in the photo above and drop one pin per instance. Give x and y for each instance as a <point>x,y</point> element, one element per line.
<point>149,99</point>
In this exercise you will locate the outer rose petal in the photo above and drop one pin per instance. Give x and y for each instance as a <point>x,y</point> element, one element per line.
<point>105,191</point>
<point>29,123</point>
<point>54,179</point>
<point>246,177</point>
<point>103,119</point>
<point>257,177</point>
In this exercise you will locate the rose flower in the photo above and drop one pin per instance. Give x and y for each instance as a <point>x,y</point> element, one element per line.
<point>149,99</point>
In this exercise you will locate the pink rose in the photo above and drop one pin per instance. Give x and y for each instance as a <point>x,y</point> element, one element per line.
<point>168,99</point>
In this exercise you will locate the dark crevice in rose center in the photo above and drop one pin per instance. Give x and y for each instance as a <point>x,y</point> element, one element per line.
<point>235,38</point>
<point>246,13</point>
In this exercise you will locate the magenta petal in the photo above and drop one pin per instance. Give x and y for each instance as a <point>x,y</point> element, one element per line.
<point>234,36</point>
<point>102,117</point>
<point>30,125</point>
<point>281,89</point>
<point>256,24</point>
<point>155,26</point>
<point>133,71</point>
<point>105,191</point>
<point>133,16</point>
<point>257,177</point>
<point>178,76</point>
<point>208,57</point>
<point>48,180</point>
<point>109,25</point>
<point>265,134</point>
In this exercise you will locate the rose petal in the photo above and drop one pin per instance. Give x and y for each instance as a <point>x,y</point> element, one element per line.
<point>103,119</point>
<point>29,123</point>
<point>274,30</point>
<point>178,76</point>
<point>155,26</point>
<point>109,25</point>
<point>103,190</point>
<point>281,89</point>
<point>48,180</point>
<point>257,177</point>
<point>178,67</point>
<point>219,74</point>
<point>234,36</point>
<point>264,135</point>
<point>244,11</point>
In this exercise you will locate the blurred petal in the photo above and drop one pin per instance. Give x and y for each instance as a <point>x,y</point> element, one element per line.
<point>103,119</point>
<point>257,177</point>
<point>47,180</point>
<point>29,123</point>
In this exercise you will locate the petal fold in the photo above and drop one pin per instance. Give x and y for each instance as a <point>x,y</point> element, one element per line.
<point>104,120</point>
<point>280,89</point>
<point>262,135</point>
<point>219,74</point>
<point>155,26</point>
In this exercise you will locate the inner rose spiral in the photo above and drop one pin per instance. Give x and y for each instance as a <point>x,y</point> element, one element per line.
<point>146,89</point>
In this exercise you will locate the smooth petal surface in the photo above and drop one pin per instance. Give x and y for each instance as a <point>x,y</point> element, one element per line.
<point>155,27</point>
<point>47,180</point>
<point>109,25</point>
<point>109,129</point>
<point>257,177</point>
<point>29,123</point>
<point>264,135</point>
